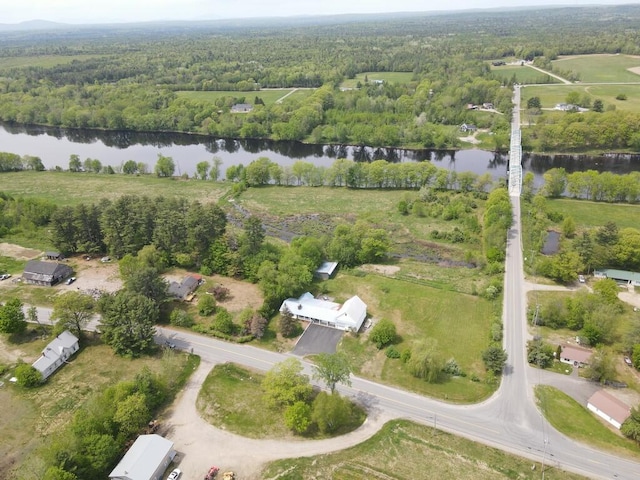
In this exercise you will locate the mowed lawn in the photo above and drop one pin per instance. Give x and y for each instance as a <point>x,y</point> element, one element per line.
<point>553,94</point>
<point>406,450</point>
<point>67,188</point>
<point>601,68</point>
<point>595,214</point>
<point>268,96</point>
<point>523,74</point>
<point>458,323</point>
<point>389,77</point>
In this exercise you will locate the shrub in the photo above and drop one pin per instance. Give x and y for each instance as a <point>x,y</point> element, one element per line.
<point>27,376</point>
<point>383,333</point>
<point>206,305</point>
<point>223,322</point>
<point>452,368</point>
<point>180,318</point>
<point>392,352</point>
<point>405,356</point>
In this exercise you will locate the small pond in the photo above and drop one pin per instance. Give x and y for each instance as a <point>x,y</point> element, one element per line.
<point>551,243</point>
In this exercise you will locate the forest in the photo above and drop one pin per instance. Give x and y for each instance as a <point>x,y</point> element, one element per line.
<point>133,77</point>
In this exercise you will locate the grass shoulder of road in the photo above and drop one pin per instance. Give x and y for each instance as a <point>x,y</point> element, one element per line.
<point>402,449</point>
<point>69,188</point>
<point>601,67</point>
<point>588,214</point>
<point>458,323</point>
<point>231,398</point>
<point>572,419</point>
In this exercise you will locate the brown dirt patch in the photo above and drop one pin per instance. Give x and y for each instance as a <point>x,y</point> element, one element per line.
<point>93,275</point>
<point>388,270</point>
<point>635,70</point>
<point>243,294</point>
<point>8,353</point>
<point>18,252</point>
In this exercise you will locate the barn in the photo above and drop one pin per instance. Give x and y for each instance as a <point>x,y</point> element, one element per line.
<point>37,272</point>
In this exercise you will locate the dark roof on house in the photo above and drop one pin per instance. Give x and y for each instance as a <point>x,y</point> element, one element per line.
<point>184,288</point>
<point>607,403</point>
<point>39,271</point>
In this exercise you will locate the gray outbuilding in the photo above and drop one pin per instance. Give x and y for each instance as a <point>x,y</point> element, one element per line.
<point>147,459</point>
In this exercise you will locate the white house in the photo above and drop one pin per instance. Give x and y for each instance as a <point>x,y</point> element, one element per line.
<point>609,408</point>
<point>348,316</point>
<point>56,353</point>
<point>147,459</point>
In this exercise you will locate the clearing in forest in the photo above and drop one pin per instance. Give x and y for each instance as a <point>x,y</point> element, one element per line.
<point>601,68</point>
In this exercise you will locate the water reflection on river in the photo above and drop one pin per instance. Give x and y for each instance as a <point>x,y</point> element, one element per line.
<point>55,145</point>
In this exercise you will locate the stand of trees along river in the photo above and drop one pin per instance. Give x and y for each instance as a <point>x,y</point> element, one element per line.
<point>153,77</point>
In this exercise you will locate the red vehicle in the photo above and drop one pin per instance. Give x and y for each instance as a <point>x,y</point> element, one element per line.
<point>213,471</point>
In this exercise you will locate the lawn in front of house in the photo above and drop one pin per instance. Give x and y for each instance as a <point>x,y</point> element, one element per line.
<point>459,324</point>
<point>551,95</point>
<point>574,420</point>
<point>406,450</point>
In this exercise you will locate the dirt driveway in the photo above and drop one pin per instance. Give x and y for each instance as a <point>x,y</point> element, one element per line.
<point>199,445</point>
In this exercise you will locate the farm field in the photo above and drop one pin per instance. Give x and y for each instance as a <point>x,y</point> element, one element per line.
<point>68,188</point>
<point>523,74</point>
<point>601,68</point>
<point>269,96</point>
<point>390,77</point>
<point>595,214</point>
<point>553,94</point>
<point>403,450</point>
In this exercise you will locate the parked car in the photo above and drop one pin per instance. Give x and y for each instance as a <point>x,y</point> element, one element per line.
<point>105,259</point>
<point>169,344</point>
<point>581,279</point>
<point>70,280</point>
<point>175,474</point>
<point>4,276</point>
<point>628,361</point>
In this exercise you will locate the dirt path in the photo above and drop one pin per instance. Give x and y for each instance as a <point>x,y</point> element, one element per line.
<point>199,445</point>
<point>563,80</point>
<point>285,96</point>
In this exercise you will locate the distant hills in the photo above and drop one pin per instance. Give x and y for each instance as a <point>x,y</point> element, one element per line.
<point>32,25</point>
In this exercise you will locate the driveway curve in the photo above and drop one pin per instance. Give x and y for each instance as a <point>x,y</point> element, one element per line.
<point>200,445</point>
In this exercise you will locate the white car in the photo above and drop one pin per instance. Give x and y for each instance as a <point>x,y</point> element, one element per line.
<point>581,279</point>
<point>175,475</point>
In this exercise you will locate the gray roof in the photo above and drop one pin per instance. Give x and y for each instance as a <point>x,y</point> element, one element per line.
<point>184,288</point>
<point>39,271</point>
<point>326,267</point>
<point>143,458</point>
<point>52,352</point>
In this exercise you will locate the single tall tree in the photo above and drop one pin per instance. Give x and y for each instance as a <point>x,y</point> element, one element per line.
<point>73,310</point>
<point>332,368</point>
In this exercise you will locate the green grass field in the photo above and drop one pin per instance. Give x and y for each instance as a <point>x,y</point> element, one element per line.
<point>268,96</point>
<point>575,421</point>
<point>459,324</point>
<point>231,398</point>
<point>44,61</point>
<point>406,450</point>
<point>67,188</point>
<point>595,214</point>
<point>523,74</point>
<point>390,77</point>
<point>553,94</point>
<point>601,68</point>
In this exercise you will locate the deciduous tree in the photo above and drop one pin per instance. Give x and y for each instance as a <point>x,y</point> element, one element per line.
<point>332,368</point>
<point>73,311</point>
<point>285,384</point>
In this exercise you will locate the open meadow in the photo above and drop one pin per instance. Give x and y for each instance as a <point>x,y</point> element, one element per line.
<point>551,95</point>
<point>522,74</point>
<point>406,450</point>
<point>603,68</point>
<point>43,61</point>
<point>594,214</point>
<point>268,96</point>
<point>389,77</point>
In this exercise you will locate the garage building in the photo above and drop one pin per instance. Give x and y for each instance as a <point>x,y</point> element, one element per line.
<point>147,459</point>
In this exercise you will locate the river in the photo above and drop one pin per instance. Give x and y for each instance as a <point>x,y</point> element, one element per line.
<point>54,146</point>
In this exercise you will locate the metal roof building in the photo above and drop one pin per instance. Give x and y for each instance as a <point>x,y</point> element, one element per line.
<point>147,459</point>
<point>45,273</point>
<point>348,316</point>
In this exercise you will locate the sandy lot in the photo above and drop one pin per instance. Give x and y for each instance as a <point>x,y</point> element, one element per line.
<point>388,270</point>
<point>18,252</point>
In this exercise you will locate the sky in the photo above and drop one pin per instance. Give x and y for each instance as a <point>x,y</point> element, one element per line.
<point>120,11</point>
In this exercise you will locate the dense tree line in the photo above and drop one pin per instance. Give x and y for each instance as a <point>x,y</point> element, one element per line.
<point>592,185</point>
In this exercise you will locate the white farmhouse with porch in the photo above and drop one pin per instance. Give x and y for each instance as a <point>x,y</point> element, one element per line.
<point>56,353</point>
<point>348,316</point>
